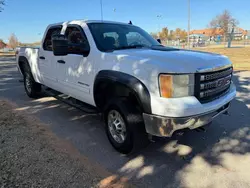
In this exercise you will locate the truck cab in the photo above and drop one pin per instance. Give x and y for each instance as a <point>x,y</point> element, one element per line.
<point>141,87</point>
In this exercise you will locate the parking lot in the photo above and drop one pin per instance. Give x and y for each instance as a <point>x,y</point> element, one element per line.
<point>216,157</point>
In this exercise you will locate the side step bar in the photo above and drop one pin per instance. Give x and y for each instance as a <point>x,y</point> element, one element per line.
<point>71,101</point>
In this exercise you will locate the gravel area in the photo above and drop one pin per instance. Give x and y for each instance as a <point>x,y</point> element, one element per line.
<point>32,156</point>
<point>217,157</point>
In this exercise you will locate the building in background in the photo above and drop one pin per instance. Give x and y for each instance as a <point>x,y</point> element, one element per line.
<point>239,33</point>
<point>212,34</point>
<point>7,48</point>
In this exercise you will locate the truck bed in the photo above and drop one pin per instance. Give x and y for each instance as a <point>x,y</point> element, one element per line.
<point>30,54</point>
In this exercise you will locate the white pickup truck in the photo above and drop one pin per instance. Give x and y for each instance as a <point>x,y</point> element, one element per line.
<point>142,87</point>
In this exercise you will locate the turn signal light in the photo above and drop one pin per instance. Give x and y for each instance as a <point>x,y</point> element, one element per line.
<point>166,83</point>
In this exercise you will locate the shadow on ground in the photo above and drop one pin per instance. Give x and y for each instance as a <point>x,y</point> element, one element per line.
<point>217,156</point>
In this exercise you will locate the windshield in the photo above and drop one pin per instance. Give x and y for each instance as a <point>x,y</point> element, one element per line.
<point>110,37</point>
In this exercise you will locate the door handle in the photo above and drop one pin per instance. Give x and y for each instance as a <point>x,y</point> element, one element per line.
<point>61,61</point>
<point>41,57</point>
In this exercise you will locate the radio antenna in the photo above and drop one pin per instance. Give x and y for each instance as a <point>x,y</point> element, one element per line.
<point>101,10</point>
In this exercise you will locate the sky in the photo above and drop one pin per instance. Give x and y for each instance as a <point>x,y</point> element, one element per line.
<point>29,18</point>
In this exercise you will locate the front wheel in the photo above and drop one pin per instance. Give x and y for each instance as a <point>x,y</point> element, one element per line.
<point>31,87</point>
<point>124,126</point>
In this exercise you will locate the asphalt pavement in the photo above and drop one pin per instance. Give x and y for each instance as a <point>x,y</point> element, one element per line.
<point>216,157</point>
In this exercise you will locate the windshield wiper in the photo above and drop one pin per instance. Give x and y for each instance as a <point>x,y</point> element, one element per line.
<point>157,45</point>
<point>131,47</point>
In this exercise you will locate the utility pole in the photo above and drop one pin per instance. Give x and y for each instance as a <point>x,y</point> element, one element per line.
<point>188,24</point>
<point>101,10</point>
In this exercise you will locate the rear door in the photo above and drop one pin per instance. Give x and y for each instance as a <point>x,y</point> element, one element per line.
<point>47,64</point>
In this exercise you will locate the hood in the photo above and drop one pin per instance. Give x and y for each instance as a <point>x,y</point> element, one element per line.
<point>177,61</point>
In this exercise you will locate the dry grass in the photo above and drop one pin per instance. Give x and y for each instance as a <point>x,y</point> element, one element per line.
<point>239,56</point>
<point>7,54</point>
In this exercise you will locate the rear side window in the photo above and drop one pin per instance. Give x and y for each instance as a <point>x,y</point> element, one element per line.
<point>47,44</point>
<point>77,40</point>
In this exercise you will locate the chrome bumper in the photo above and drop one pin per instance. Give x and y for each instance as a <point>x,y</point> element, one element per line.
<point>166,126</point>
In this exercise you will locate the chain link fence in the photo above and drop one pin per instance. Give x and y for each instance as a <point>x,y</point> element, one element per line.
<point>201,41</point>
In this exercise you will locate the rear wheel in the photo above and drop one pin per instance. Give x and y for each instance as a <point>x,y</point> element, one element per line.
<point>124,126</point>
<point>32,88</point>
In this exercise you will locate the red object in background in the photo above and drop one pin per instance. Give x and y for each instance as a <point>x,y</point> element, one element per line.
<point>2,44</point>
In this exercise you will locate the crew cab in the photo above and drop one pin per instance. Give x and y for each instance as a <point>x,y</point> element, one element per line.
<point>141,87</point>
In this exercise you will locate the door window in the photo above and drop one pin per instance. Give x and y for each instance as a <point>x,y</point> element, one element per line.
<point>77,40</point>
<point>47,44</point>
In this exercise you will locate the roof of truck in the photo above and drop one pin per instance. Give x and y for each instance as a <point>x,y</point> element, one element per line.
<point>89,21</point>
<point>103,21</point>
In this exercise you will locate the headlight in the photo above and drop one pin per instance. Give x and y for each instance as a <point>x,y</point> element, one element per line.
<point>174,86</point>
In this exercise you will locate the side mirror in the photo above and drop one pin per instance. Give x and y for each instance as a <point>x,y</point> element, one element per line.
<point>159,40</point>
<point>60,45</point>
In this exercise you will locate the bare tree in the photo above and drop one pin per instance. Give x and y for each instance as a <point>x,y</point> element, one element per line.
<point>223,22</point>
<point>2,3</point>
<point>13,42</point>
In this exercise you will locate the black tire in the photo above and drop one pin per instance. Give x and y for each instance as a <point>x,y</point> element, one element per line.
<point>32,88</point>
<point>136,136</point>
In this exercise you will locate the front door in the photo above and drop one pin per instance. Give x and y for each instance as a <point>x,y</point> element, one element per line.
<point>76,71</point>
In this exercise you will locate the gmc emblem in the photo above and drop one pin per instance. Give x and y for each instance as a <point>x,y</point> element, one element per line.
<point>223,82</point>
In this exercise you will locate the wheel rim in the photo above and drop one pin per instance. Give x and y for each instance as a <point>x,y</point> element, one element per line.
<point>28,84</point>
<point>116,126</point>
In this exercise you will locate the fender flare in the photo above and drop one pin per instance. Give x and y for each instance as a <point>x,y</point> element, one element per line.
<point>132,83</point>
<point>23,60</point>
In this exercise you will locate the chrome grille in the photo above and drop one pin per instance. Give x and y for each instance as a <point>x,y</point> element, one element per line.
<point>216,75</point>
<point>211,85</point>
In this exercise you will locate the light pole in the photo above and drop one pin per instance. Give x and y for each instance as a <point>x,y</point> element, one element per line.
<point>188,24</point>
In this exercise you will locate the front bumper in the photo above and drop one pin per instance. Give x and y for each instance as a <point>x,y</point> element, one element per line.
<point>166,126</point>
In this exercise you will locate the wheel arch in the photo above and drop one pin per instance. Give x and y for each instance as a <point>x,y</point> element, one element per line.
<point>116,83</point>
<point>22,61</point>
